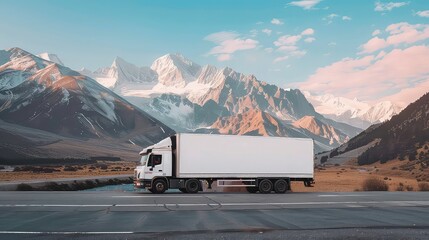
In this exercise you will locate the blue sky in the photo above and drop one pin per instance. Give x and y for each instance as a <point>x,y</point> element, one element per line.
<point>91,33</point>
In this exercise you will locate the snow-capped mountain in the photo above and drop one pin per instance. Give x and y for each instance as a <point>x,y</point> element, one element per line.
<point>352,111</point>
<point>51,57</point>
<point>189,97</point>
<point>404,137</point>
<point>44,95</point>
<point>121,73</point>
<point>175,70</point>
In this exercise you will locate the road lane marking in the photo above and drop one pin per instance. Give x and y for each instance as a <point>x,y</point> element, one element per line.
<point>345,195</point>
<point>157,196</point>
<point>65,233</point>
<point>397,203</point>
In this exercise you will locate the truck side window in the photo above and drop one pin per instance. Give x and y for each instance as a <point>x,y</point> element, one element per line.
<point>154,160</point>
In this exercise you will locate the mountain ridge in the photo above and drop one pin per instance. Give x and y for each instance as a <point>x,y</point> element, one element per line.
<point>43,95</point>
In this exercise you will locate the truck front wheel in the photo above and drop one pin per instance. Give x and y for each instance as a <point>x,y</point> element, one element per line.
<point>280,186</point>
<point>159,186</point>
<point>192,185</point>
<point>265,186</point>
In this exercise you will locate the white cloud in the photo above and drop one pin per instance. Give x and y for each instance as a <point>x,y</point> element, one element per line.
<point>305,4</point>
<point>280,59</point>
<point>269,50</point>
<point>287,40</point>
<point>223,57</point>
<point>228,43</point>
<point>398,75</point>
<point>309,40</point>
<point>346,18</point>
<point>385,7</point>
<point>253,33</point>
<point>267,31</point>
<point>308,31</point>
<point>330,18</point>
<point>398,34</point>
<point>287,44</point>
<point>221,36</point>
<point>376,32</point>
<point>423,13</point>
<point>293,51</point>
<point>298,53</point>
<point>287,48</point>
<point>233,45</point>
<point>277,21</point>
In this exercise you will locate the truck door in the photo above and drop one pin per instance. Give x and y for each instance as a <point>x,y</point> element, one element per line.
<point>155,165</point>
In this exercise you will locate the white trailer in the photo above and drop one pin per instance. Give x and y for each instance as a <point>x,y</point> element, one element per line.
<point>261,164</point>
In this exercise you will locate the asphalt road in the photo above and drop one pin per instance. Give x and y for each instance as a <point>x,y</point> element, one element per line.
<point>124,215</point>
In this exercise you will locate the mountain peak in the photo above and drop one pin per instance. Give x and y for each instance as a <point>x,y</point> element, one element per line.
<point>17,52</point>
<point>119,61</point>
<point>175,70</point>
<point>51,57</point>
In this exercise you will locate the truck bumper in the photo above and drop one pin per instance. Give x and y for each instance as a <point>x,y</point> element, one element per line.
<point>142,183</point>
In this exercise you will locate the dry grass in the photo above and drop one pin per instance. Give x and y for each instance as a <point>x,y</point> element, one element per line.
<point>424,186</point>
<point>350,178</point>
<point>374,184</point>
<point>72,171</point>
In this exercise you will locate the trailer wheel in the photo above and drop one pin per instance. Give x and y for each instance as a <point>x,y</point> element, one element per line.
<point>265,186</point>
<point>280,186</point>
<point>192,185</point>
<point>159,186</point>
<point>252,189</point>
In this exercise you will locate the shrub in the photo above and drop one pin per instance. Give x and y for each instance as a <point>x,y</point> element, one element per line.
<point>103,166</point>
<point>423,186</point>
<point>24,187</point>
<point>409,188</point>
<point>70,169</point>
<point>400,187</point>
<point>374,184</point>
<point>324,159</point>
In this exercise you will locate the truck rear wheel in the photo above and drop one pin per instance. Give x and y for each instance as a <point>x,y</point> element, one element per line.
<point>192,185</point>
<point>159,186</point>
<point>265,186</point>
<point>280,186</point>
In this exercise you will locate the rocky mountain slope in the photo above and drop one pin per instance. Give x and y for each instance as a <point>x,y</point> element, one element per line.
<point>46,96</point>
<point>404,137</point>
<point>352,111</point>
<point>189,97</point>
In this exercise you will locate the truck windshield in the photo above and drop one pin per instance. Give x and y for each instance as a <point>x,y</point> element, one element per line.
<point>144,160</point>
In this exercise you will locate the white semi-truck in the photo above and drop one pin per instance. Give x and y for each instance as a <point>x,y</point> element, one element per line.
<point>186,161</point>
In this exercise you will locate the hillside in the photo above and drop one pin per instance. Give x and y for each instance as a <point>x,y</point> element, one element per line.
<point>45,99</point>
<point>404,138</point>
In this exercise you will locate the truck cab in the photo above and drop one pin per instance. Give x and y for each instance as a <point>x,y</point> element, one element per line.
<point>155,163</point>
